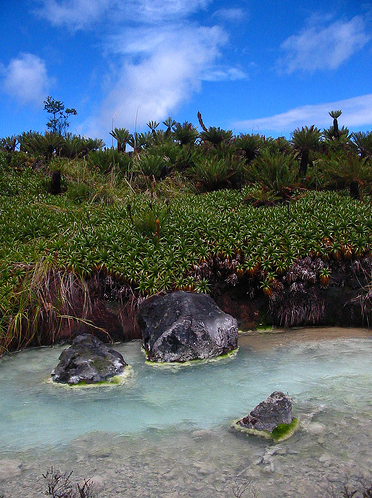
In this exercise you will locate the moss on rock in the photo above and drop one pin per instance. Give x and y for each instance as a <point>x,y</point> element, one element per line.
<point>280,433</point>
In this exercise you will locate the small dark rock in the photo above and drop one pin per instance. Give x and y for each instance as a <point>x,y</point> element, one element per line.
<point>55,184</point>
<point>184,326</point>
<point>88,360</point>
<point>275,410</point>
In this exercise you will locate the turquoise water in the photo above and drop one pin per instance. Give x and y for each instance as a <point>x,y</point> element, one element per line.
<point>167,430</point>
<point>34,413</point>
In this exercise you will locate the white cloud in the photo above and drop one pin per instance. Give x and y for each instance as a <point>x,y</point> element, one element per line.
<point>75,14</point>
<point>222,73</point>
<point>323,48</point>
<point>230,15</point>
<point>155,11</point>
<point>158,48</point>
<point>80,14</point>
<point>26,79</point>
<point>356,112</point>
<point>164,78</point>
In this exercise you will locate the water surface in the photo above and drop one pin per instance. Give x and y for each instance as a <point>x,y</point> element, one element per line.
<point>166,430</point>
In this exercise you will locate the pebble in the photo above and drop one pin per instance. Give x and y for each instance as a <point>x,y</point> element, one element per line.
<point>316,428</point>
<point>325,459</point>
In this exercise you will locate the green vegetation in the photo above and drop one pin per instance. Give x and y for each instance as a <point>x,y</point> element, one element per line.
<point>116,380</point>
<point>284,431</point>
<point>179,212</point>
<point>58,122</point>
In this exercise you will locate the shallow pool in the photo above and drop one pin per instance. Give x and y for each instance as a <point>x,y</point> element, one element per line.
<point>166,431</point>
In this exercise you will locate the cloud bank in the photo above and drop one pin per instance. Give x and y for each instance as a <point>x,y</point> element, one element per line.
<point>356,112</point>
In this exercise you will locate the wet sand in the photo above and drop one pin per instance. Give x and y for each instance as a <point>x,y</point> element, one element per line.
<point>260,340</point>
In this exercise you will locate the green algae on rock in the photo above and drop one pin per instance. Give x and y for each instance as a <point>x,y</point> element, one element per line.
<point>272,418</point>
<point>188,363</point>
<point>88,361</point>
<point>116,380</point>
<point>280,433</point>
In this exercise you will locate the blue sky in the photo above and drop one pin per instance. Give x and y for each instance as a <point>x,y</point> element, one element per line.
<point>264,67</point>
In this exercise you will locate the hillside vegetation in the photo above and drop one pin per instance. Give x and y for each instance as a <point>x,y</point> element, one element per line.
<point>183,210</point>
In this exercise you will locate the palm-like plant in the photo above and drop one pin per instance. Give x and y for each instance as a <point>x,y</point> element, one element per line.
<point>305,141</point>
<point>185,134</point>
<point>349,171</point>
<point>153,125</point>
<point>276,173</point>
<point>212,174</point>
<point>335,115</point>
<point>141,141</point>
<point>76,146</point>
<point>169,123</point>
<point>278,145</point>
<point>151,165</point>
<point>216,136</point>
<point>363,142</point>
<point>250,145</point>
<point>341,145</point>
<point>8,143</point>
<point>45,145</point>
<point>123,136</point>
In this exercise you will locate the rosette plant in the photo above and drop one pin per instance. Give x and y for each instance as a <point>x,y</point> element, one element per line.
<point>122,136</point>
<point>306,141</point>
<point>363,142</point>
<point>185,134</point>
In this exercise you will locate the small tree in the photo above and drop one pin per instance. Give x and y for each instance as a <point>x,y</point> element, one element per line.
<point>58,123</point>
<point>363,142</point>
<point>305,141</point>
<point>169,123</point>
<point>335,115</point>
<point>153,125</point>
<point>185,134</point>
<point>123,137</point>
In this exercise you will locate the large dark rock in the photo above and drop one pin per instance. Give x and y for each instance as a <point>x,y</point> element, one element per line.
<point>275,410</point>
<point>88,360</point>
<point>184,326</point>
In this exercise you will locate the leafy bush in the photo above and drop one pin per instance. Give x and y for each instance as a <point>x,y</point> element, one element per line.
<point>151,165</point>
<point>212,174</point>
<point>277,173</point>
<point>250,145</point>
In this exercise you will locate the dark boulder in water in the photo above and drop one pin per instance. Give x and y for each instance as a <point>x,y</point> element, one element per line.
<point>88,361</point>
<point>183,326</point>
<point>275,410</point>
<point>271,418</point>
